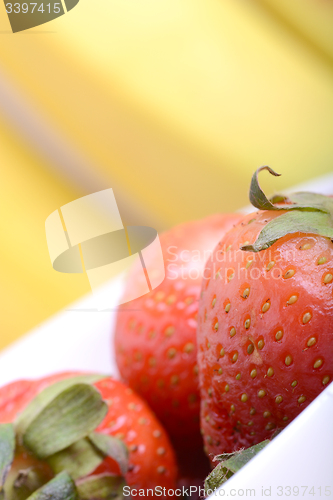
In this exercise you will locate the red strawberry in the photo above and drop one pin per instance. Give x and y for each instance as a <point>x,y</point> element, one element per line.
<point>155,336</point>
<point>151,457</point>
<point>265,320</point>
<point>152,461</point>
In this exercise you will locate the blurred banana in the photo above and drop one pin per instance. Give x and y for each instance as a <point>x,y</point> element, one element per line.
<point>171,103</point>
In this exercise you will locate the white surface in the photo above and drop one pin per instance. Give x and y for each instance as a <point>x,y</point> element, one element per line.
<point>82,328</point>
<point>302,455</point>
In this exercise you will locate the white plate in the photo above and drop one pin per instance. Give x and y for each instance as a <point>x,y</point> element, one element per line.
<point>79,338</point>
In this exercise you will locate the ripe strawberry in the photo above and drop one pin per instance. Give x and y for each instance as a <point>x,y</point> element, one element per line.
<point>155,339</point>
<point>265,320</point>
<point>151,460</point>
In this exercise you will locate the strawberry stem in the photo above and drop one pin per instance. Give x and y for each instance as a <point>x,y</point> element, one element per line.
<point>303,212</point>
<point>7,450</point>
<point>62,487</point>
<point>57,428</point>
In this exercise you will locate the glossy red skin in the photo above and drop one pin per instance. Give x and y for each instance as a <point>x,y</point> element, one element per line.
<point>128,418</point>
<point>227,428</point>
<point>170,384</point>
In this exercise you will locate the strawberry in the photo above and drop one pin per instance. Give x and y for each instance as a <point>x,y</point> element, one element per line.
<point>155,339</point>
<point>152,461</point>
<point>15,396</point>
<point>127,417</point>
<point>265,320</point>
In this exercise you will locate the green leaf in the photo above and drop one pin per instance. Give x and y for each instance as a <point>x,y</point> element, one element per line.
<point>70,416</point>
<point>7,450</point>
<point>79,459</point>
<point>292,222</point>
<point>101,487</point>
<point>278,198</point>
<point>315,200</point>
<point>84,456</point>
<point>112,447</point>
<point>230,464</point>
<point>310,213</point>
<point>46,396</point>
<point>257,196</point>
<point>21,483</point>
<point>62,487</point>
<point>260,200</point>
<point>235,461</point>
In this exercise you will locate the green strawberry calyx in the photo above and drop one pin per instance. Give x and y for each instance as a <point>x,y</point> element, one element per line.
<point>229,464</point>
<point>7,448</point>
<point>57,430</point>
<point>302,212</point>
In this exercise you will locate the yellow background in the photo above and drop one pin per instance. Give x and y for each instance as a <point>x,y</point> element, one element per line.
<point>172,103</point>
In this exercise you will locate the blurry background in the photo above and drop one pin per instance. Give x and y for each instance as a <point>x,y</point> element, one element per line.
<point>172,103</point>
